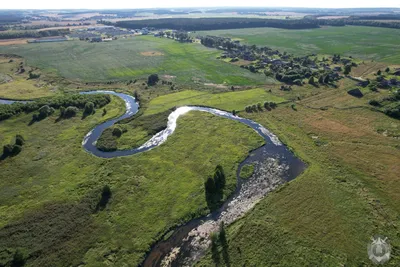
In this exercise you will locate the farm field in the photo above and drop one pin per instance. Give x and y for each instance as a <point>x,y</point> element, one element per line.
<point>127,59</point>
<point>370,43</point>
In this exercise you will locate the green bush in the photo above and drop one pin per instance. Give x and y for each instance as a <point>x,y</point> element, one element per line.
<point>71,112</point>
<point>117,132</point>
<point>89,108</point>
<point>16,150</point>
<point>19,140</point>
<point>45,111</point>
<point>7,150</point>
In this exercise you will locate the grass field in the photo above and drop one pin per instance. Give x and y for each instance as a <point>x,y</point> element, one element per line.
<point>348,194</point>
<point>131,59</point>
<point>378,44</point>
<point>227,101</point>
<point>50,181</point>
<point>18,86</point>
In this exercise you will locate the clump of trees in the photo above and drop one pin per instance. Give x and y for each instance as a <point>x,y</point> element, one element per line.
<point>152,79</point>
<point>11,150</point>
<point>69,112</point>
<point>214,187</point>
<point>46,106</point>
<point>258,107</point>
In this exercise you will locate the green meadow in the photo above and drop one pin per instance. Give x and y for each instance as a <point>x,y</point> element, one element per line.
<point>53,181</point>
<point>368,43</point>
<point>134,58</point>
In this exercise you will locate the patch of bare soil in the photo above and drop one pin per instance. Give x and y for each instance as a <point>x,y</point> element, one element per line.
<point>220,86</point>
<point>241,62</point>
<point>168,77</point>
<point>151,54</point>
<point>13,41</point>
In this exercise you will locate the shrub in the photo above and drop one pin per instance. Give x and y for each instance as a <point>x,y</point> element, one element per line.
<point>374,103</point>
<point>45,111</point>
<point>7,150</point>
<point>152,79</point>
<point>70,112</point>
<point>19,140</point>
<point>16,150</point>
<point>117,132</point>
<point>89,108</point>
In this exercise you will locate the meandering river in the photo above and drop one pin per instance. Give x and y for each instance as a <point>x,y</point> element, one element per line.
<point>274,165</point>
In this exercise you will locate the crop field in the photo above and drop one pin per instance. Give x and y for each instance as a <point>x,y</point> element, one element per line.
<point>371,43</point>
<point>134,58</point>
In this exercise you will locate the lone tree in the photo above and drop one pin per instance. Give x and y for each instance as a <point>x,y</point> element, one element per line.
<point>105,197</point>
<point>19,140</point>
<point>136,95</point>
<point>152,79</point>
<point>89,108</point>
<point>379,72</point>
<point>219,178</point>
<point>387,70</point>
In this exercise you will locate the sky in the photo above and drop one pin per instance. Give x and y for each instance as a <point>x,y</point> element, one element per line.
<point>115,4</point>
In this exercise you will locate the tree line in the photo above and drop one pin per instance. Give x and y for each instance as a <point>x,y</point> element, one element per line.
<point>75,100</point>
<point>32,34</point>
<point>202,24</point>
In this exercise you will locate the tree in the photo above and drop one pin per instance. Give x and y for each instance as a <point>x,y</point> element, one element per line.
<point>214,248</point>
<point>104,112</point>
<point>18,259</point>
<point>259,106</point>
<point>210,186</point>
<point>387,70</point>
<point>273,105</point>
<point>19,140</point>
<point>311,80</point>
<point>136,95</point>
<point>326,79</point>
<point>379,73</point>
<point>222,234</point>
<point>89,108</point>
<point>16,150</point>
<point>152,79</point>
<point>117,132</point>
<point>105,197</point>
<point>219,178</point>
<point>347,69</point>
<point>70,112</point>
<point>45,111</point>
<point>267,106</point>
<point>7,150</point>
